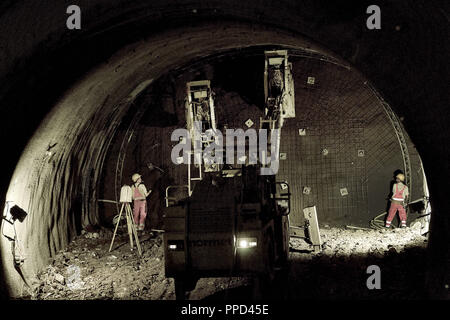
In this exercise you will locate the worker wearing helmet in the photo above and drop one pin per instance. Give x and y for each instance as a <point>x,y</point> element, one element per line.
<point>139,201</point>
<point>398,201</point>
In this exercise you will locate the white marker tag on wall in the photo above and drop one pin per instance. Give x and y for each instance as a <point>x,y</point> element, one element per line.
<point>249,123</point>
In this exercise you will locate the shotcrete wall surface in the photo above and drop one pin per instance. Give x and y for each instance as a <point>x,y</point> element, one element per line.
<point>45,186</point>
<point>63,94</point>
<point>339,112</point>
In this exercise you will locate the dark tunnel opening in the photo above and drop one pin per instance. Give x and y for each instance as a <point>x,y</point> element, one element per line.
<point>65,158</point>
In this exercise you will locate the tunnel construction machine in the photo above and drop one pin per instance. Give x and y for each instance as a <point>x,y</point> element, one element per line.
<point>230,220</point>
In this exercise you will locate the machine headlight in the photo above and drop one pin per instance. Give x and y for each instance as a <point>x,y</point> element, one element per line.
<point>246,243</point>
<point>175,245</point>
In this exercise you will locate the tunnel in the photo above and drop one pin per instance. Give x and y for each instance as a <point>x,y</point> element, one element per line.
<point>84,109</point>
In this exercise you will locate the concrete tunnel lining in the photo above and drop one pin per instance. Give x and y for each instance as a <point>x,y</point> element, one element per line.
<point>44,182</point>
<point>237,96</point>
<point>414,117</point>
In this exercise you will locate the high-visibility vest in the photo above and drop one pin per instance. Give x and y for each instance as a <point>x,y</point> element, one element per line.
<point>137,195</point>
<point>398,193</point>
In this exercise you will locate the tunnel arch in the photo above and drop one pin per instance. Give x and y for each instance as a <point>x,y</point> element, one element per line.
<point>73,139</point>
<point>386,153</point>
<point>41,144</point>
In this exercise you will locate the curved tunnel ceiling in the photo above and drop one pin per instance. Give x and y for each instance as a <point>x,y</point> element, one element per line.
<point>73,139</point>
<point>340,112</point>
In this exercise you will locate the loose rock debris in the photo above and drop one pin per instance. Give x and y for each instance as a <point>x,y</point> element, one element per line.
<point>340,270</point>
<point>86,270</point>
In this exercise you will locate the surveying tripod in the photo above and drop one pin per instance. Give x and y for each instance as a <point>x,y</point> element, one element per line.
<point>125,199</point>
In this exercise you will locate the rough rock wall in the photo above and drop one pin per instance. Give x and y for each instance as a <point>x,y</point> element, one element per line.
<point>82,113</point>
<point>409,66</point>
<point>339,112</point>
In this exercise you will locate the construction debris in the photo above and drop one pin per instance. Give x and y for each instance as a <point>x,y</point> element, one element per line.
<point>86,270</point>
<point>339,271</point>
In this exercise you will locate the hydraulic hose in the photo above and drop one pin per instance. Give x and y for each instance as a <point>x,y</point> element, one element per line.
<point>377,223</point>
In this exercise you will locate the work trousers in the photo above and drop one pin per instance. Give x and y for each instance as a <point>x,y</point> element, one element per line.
<point>139,212</point>
<point>393,210</point>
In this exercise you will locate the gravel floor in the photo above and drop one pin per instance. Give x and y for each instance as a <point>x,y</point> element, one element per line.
<point>340,270</point>
<point>86,270</point>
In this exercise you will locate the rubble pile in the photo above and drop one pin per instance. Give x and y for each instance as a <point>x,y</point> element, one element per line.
<point>347,241</point>
<point>340,269</point>
<point>86,270</point>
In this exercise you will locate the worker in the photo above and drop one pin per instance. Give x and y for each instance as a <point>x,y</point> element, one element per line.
<point>398,201</point>
<point>276,82</point>
<point>140,195</point>
<point>203,115</point>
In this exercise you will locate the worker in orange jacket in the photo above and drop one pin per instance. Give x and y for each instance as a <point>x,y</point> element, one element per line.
<point>399,200</point>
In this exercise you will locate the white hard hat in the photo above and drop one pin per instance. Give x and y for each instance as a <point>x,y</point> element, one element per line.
<point>400,176</point>
<point>135,177</point>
